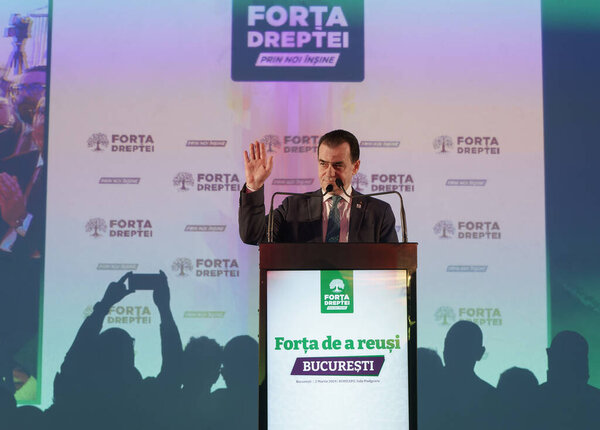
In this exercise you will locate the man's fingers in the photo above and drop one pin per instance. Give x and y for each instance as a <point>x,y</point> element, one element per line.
<point>257,152</point>
<point>263,152</point>
<point>258,149</point>
<point>270,164</point>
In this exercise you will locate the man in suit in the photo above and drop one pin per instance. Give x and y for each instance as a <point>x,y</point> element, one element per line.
<point>339,215</point>
<point>22,219</point>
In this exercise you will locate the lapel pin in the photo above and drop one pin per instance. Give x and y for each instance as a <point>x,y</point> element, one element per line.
<point>358,205</point>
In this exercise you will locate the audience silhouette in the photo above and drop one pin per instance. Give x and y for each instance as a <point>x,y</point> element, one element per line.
<point>517,396</point>
<point>8,406</point>
<point>566,399</point>
<point>99,387</point>
<point>429,374</point>
<point>467,400</point>
<point>236,407</point>
<point>202,359</point>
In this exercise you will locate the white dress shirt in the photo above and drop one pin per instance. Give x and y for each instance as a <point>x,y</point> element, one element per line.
<point>343,207</point>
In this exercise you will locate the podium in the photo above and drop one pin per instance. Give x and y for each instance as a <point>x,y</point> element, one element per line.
<point>337,336</point>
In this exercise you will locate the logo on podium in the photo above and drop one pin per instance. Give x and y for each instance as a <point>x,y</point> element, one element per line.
<point>337,295</point>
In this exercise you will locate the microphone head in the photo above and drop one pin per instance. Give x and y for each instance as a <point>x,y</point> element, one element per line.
<point>339,183</point>
<point>328,188</point>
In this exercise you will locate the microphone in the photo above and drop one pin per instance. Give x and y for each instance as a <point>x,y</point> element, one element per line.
<point>402,213</point>
<point>271,220</point>
<point>340,185</point>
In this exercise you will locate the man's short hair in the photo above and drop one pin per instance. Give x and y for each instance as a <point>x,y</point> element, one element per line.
<point>339,137</point>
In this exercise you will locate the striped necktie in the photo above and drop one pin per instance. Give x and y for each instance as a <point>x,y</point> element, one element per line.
<point>333,222</point>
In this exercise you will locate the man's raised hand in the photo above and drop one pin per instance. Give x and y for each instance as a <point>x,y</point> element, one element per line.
<point>257,165</point>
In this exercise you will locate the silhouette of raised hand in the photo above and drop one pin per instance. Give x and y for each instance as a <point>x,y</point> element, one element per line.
<point>116,291</point>
<point>161,294</point>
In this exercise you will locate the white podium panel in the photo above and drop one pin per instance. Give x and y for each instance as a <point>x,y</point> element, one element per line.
<point>337,353</point>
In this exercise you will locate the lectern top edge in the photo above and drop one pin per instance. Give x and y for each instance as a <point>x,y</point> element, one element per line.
<point>356,256</point>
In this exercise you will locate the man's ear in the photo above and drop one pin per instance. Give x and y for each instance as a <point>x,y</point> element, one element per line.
<point>355,167</point>
<point>481,352</point>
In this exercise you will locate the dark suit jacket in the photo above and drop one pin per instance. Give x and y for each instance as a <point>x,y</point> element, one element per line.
<point>298,219</point>
<point>20,278</point>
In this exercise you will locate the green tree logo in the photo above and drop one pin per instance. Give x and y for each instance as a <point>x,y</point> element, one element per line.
<point>336,286</point>
<point>337,291</point>
<point>445,315</point>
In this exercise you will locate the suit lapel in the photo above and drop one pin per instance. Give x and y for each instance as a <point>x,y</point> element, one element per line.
<point>315,212</point>
<point>357,213</point>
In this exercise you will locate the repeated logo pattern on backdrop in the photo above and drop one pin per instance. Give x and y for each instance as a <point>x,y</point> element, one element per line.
<point>467,145</point>
<point>290,144</point>
<point>485,230</point>
<point>185,181</point>
<point>484,316</point>
<point>125,315</point>
<point>382,182</point>
<point>134,143</point>
<point>149,178</point>
<point>119,228</point>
